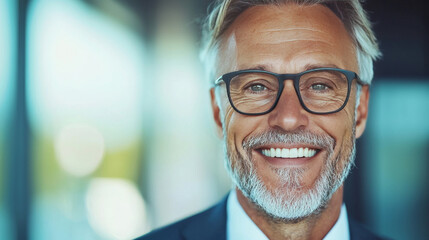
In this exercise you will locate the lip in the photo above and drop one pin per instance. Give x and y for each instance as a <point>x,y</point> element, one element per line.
<point>287,162</point>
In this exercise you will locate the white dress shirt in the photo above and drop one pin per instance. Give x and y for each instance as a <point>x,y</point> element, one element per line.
<point>239,226</point>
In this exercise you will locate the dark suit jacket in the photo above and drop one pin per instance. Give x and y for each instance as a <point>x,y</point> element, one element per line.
<point>211,225</point>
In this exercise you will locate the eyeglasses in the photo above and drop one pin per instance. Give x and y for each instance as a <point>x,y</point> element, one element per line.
<point>320,90</point>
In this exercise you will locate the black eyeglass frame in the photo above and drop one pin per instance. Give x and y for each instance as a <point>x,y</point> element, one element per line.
<point>288,76</point>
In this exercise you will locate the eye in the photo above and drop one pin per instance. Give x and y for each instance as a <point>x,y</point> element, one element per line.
<point>257,88</point>
<point>319,87</point>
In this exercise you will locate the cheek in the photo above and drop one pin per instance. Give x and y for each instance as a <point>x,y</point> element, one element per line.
<point>339,126</point>
<point>344,141</point>
<point>238,126</point>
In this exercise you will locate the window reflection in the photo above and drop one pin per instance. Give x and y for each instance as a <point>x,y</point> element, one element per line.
<point>397,156</point>
<point>86,73</point>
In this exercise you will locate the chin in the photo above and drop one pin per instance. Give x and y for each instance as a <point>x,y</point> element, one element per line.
<point>294,191</point>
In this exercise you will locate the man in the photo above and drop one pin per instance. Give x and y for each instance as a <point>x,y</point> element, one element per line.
<point>290,96</point>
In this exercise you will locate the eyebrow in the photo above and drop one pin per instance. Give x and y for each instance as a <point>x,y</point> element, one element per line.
<point>308,66</point>
<point>313,66</point>
<point>259,67</point>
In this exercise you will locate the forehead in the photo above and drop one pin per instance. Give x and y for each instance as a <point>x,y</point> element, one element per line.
<point>286,37</point>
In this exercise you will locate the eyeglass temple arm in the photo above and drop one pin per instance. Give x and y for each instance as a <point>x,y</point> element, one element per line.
<point>217,81</point>
<point>359,81</point>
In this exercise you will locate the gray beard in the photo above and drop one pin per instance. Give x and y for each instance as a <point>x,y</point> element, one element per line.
<point>290,202</point>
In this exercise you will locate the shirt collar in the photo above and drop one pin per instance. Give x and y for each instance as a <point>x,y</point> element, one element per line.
<point>238,223</point>
<point>240,226</point>
<point>341,228</point>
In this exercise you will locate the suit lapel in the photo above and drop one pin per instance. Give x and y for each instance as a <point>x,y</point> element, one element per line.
<point>210,226</point>
<point>359,232</point>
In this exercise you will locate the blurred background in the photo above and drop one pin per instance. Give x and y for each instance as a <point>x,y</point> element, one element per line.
<point>106,130</point>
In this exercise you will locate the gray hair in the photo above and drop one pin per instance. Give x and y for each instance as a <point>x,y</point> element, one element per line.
<point>350,12</point>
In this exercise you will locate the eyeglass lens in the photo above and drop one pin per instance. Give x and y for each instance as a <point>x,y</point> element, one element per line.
<point>321,91</point>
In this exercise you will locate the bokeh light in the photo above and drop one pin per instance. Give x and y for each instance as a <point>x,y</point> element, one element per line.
<point>86,78</point>
<point>116,210</point>
<point>84,67</point>
<point>80,149</point>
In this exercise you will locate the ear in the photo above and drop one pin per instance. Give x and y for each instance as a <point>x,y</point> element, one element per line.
<point>362,111</point>
<point>216,113</point>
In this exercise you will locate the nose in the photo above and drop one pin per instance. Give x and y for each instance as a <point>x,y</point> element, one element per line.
<point>288,115</point>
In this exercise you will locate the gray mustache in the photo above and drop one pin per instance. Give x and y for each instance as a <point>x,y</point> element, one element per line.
<point>274,136</point>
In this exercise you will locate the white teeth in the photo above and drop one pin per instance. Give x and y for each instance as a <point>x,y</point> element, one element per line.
<point>300,152</point>
<point>278,152</point>
<point>285,153</point>
<point>289,152</point>
<point>294,153</point>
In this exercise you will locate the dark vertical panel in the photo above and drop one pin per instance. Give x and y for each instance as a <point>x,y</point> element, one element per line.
<point>402,29</point>
<point>19,171</point>
<point>403,33</point>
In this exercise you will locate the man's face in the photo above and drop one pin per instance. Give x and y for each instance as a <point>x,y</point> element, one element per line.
<point>288,39</point>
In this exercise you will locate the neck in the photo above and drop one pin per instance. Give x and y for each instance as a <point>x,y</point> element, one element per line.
<point>312,227</point>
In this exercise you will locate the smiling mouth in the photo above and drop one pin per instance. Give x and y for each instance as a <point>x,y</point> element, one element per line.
<point>289,152</point>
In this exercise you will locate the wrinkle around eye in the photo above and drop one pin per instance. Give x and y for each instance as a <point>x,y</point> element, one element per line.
<point>243,104</point>
<point>228,114</point>
<point>333,102</point>
<point>251,100</point>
